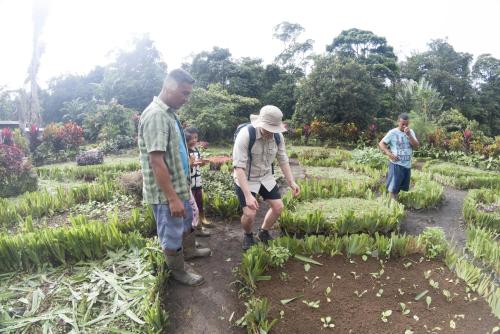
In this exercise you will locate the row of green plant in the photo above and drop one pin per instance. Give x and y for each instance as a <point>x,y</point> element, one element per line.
<point>424,193</point>
<point>342,216</point>
<point>462,177</point>
<point>322,157</point>
<point>87,173</point>
<point>483,244</point>
<point>342,175</point>
<point>83,240</point>
<point>432,243</point>
<point>42,203</point>
<point>481,208</point>
<point>120,293</point>
<point>219,197</point>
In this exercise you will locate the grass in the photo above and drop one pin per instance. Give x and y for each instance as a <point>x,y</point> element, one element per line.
<point>321,157</point>
<point>343,216</point>
<point>335,173</point>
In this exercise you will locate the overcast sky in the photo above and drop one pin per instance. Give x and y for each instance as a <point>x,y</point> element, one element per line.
<point>80,34</point>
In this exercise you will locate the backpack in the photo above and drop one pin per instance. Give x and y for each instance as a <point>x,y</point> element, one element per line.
<point>252,137</point>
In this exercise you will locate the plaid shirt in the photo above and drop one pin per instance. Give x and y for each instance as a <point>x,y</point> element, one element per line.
<point>157,132</point>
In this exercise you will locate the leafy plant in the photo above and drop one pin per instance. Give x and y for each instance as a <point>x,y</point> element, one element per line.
<point>255,318</point>
<point>482,208</point>
<point>327,322</point>
<point>434,240</point>
<point>279,255</point>
<point>385,314</point>
<point>312,304</point>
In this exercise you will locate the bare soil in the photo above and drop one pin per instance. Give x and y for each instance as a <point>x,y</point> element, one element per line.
<point>352,314</point>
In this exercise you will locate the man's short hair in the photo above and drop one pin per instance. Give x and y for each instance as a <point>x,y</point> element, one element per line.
<point>404,116</point>
<point>190,132</point>
<point>178,76</point>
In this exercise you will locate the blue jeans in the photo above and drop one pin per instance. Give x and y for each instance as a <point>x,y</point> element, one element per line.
<point>170,229</point>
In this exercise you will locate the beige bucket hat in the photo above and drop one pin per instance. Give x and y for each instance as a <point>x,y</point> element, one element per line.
<point>269,118</point>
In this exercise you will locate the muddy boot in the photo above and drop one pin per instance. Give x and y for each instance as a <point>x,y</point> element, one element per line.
<point>190,250</point>
<point>177,268</point>
<point>205,222</point>
<point>201,231</point>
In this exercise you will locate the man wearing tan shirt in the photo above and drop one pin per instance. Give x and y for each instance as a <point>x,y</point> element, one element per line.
<point>253,171</point>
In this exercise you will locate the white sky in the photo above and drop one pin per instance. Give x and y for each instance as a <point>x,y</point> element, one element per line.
<point>79,34</point>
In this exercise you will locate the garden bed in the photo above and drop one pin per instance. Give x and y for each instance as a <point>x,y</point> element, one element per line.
<point>482,208</point>
<point>358,284</point>
<point>462,177</point>
<point>358,299</point>
<point>342,216</point>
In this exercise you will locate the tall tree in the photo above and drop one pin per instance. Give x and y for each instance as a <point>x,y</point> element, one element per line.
<point>338,91</point>
<point>366,48</point>
<point>136,76</point>
<point>486,72</point>
<point>448,71</point>
<point>211,67</point>
<point>7,105</point>
<point>295,54</point>
<point>39,15</point>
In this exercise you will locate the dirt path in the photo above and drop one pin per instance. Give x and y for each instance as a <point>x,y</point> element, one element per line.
<point>448,216</point>
<point>208,308</point>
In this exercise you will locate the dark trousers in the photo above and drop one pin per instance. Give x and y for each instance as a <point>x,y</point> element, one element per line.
<point>198,197</point>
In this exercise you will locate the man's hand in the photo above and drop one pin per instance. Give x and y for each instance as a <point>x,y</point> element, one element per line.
<point>407,131</point>
<point>295,189</point>
<point>251,202</point>
<point>176,207</point>
<point>392,156</point>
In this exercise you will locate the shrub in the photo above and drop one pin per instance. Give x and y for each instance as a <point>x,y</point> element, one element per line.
<point>131,183</point>
<point>71,135</point>
<point>6,136</point>
<point>91,157</point>
<point>20,141</point>
<point>462,177</point>
<point>118,143</point>
<point>16,174</point>
<point>370,156</point>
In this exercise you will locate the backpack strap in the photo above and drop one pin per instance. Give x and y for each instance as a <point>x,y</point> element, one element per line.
<point>252,136</point>
<point>277,139</point>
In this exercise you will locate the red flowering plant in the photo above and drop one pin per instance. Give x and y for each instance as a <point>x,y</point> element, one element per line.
<point>467,139</point>
<point>34,136</point>
<point>71,135</point>
<point>6,136</point>
<point>16,174</point>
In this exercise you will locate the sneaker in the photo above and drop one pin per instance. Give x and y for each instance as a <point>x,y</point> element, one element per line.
<point>248,241</point>
<point>264,236</point>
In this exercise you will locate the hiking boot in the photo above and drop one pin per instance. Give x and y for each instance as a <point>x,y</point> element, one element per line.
<point>264,236</point>
<point>190,250</point>
<point>202,232</point>
<point>248,241</point>
<point>178,271</point>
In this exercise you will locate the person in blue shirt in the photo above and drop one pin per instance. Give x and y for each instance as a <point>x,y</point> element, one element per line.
<point>398,145</point>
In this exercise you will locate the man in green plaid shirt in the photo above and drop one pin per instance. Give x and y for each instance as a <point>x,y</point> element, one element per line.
<point>166,175</point>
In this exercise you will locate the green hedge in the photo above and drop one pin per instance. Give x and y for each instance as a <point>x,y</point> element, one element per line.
<point>475,207</point>
<point>462,177</point>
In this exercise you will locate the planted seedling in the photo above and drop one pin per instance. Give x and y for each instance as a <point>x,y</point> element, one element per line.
<point>328,291</point>
<point>359,295</point>
<point>378,275</point>
<point>409,331</point>
<point>385,314</point>
<point>354,274</point>
<point>407,264</point>
<point>401,292</point>
<point>380,292</point>
<point>364,257</point>
<point>404,310</point>
<point>284,276</point>
<point>427,274</point>
<point>453,325</point>
<point>434,284</point>
<point>428,301</point>
<point>312,304</point>
<point>282,314</point>
<point>335,276</point>
<point>307,267</point>
<point>447,294</point>
<point>327,322</point>
<point>416,318</point>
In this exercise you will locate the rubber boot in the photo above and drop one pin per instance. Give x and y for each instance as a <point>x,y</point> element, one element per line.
<point>190,250</point>
<point>177,268</point>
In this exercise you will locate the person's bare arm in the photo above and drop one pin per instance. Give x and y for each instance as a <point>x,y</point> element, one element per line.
<point>251,201</point>
<point>287,171</point>
<point>413,141</point>
<point>164,180</point>
<point>383,146</point>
